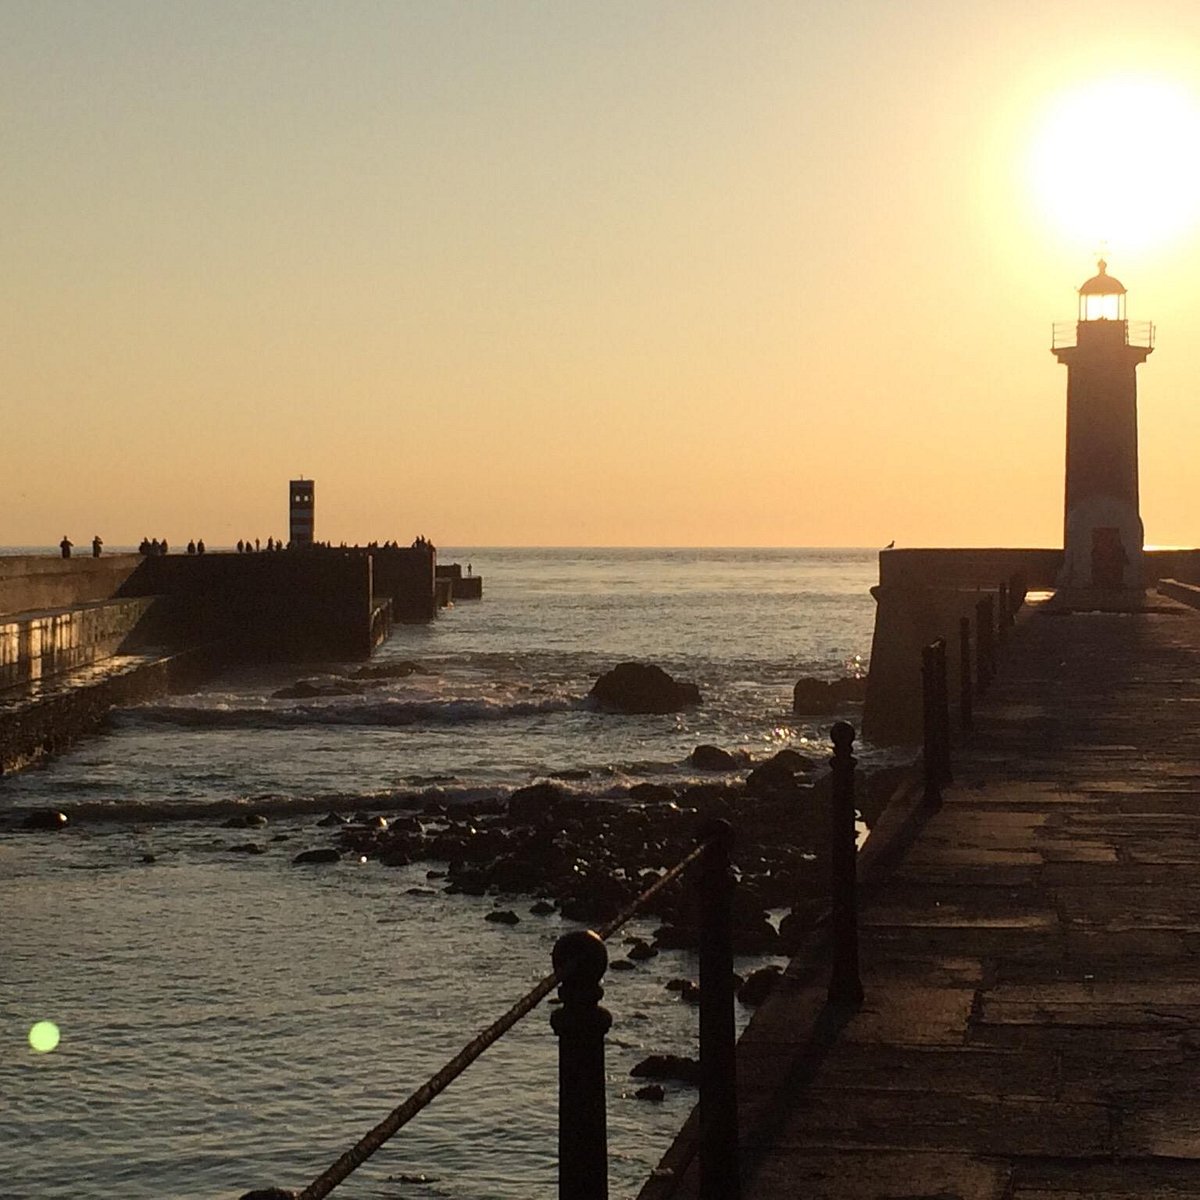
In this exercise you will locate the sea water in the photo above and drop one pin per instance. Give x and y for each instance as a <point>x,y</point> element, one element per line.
<point>231,1021</point>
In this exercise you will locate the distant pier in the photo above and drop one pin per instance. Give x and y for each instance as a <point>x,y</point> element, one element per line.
<point>78,635</point>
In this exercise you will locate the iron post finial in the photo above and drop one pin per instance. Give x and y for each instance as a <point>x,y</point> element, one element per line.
<point>842,735</point>
<point>580,957</point>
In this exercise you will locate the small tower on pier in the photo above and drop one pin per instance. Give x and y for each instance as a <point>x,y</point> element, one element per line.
<point>301,513</point>
<point>1102,536</point>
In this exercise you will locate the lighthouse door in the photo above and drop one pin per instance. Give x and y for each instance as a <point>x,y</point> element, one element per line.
<point>1108,558</point>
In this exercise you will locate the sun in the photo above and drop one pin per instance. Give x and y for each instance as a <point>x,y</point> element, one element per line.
<point>1115,162</point>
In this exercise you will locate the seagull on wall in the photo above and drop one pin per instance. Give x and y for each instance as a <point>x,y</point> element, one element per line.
<point>891,545</point>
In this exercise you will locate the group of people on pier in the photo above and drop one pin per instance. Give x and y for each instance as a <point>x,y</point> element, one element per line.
<point>152,547</point>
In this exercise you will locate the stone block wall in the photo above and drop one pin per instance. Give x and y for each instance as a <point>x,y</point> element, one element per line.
<point>288,605</point>
<point>30,583</point>
<point>40,645</point>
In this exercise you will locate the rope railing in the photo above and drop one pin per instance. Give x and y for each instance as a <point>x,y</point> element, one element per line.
<point>569,951</point>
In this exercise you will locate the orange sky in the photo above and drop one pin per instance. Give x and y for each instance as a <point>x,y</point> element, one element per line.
<point>624,274</point>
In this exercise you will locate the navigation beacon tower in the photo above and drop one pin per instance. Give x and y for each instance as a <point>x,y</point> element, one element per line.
<point>1102,537</point>
<point>301,512</point>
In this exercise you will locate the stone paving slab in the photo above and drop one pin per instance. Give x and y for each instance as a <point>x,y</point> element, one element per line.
<point>1031,1027</point>
<point>984,1125</point>
<point>831,1174</point>
<point>1125,1180</point>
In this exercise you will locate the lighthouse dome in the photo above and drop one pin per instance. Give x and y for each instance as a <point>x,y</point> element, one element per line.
<point>1103,284</point>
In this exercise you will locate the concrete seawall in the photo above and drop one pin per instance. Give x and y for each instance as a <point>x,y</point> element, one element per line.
<point>921,596</point>
<point>31,583</point>
<point>263,607</point>
<point>79,635</point>
<point>46,717</point>
<point>41,644</point>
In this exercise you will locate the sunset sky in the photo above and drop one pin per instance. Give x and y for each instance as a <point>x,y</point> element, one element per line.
<point>563,273</point>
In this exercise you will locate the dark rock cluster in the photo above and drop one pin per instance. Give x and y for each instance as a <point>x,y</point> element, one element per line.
<point>588,858</point>
<point>824,697</point>
<point>632,687</point>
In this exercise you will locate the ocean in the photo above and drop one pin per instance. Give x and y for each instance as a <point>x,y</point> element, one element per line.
<point>231,1021</point>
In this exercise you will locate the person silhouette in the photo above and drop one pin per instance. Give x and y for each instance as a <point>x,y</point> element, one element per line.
<point>97,543</point>
<point>65,546</point>
<point>200,546</point>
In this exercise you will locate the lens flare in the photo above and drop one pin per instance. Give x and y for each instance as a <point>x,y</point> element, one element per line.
<point>44,1037</point>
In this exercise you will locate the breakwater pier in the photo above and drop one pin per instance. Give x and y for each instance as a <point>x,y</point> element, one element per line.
<point>1030,1027</point>
<point>79,635</point>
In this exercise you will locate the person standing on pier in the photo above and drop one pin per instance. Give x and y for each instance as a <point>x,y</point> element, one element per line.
<point>97,544</point>
<point>65,546</point>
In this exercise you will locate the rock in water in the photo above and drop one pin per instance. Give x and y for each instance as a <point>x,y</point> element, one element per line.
<point>316,856</point>
<point>820,698</point>
<point>45,818</point>
<point>668,1066</point>
<point>713,758</point>
<point>642,688</point>
<point>813,697</point>
<point>759,985</point>
<point>529,805</point>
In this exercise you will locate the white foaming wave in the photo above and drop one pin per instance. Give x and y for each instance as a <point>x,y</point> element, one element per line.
<point>382,713</point>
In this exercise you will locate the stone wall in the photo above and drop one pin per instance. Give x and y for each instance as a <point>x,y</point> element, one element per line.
<point>48,720</point>
<point>40,645</point>
<point>921,596</point>
<point>30,583</point>
<point>407,576</point>
<point>287,605</point>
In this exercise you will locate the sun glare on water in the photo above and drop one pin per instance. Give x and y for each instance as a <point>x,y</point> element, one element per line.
<point>1116,162</point>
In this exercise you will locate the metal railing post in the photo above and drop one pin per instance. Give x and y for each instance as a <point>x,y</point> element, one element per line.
<point>845,983</point>
<point>983,671</point>
<point>929,703</point>
<point>966,697</point>
<point>989,608</point>
<point>719,1175</point>
<point>941,679</point>
<point>1016,591</point>
<point>581,1024</point>
<point>1003,616</point>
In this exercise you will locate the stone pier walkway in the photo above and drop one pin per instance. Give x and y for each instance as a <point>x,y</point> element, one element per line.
<point>1031,1029</point>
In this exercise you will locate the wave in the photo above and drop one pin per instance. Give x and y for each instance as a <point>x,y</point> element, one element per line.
<point>382,713</point>
<point>266,805</point>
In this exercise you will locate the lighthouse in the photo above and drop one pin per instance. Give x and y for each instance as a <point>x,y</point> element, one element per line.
<point>1102,536</point>
<point>301,512</point>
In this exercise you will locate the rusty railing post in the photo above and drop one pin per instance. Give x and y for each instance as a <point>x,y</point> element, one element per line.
<point>581,1024</point>
<point>941,679</point>
<point>966,698</point>
<point>929,746</point>
<point>845,984</point>
<point>719,1174</point>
